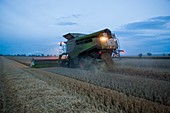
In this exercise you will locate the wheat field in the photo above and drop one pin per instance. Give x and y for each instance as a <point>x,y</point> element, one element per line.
<point>58,89</point>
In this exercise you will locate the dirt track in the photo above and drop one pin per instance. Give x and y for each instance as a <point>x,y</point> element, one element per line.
<point>37,90</point>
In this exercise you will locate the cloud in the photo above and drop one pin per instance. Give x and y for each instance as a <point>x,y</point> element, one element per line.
<point>152,35</point>
<point>67,23</point>
<point>153,23</point>
<point>161,18</point>
<point>69,17</point>
<point>65,20</point>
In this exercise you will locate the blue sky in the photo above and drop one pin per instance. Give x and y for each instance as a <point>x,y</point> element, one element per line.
<point>151,35</point>
<point>36,26</point>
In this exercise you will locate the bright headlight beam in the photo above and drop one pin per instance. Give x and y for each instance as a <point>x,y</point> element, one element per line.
<point>103,38</point>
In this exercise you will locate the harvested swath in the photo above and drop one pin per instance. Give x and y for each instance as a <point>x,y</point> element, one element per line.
<point>26,93</point>
<point>101,98</point>
<point>106,99</point>
<point>33,95</point>
<point>151,89</point>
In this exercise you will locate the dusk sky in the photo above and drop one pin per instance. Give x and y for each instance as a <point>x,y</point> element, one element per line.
<point>37,26</point>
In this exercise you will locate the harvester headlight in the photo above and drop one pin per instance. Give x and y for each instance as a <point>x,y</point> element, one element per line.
<point>103,38</point>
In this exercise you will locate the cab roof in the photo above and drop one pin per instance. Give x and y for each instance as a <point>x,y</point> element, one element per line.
<point>73,35</point>
<point>78,35</point>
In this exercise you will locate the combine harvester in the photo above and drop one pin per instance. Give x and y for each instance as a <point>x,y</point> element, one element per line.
<point>83,50</point>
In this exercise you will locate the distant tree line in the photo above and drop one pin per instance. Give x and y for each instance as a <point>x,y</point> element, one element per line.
<point>21,55</point>
<point>42,55</point>
<point>150,54</point>
<point>33,55</point>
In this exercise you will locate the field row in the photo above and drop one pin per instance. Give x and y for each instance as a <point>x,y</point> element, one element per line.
<point>150,89</point>
<point>24,92</point>
<point>98,99</point>
<point>148,68</point>
<point>128,76</point>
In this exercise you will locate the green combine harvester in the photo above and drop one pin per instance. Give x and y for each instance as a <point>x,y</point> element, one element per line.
<point>84,50</point>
